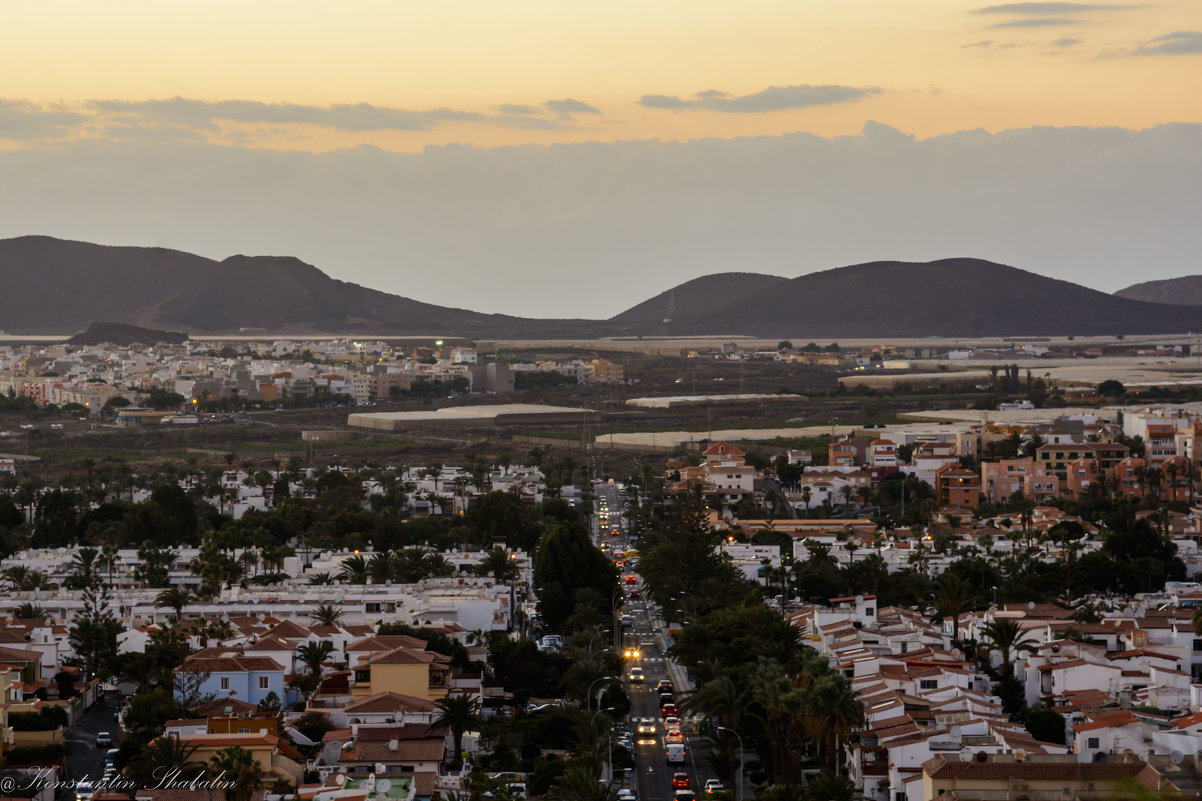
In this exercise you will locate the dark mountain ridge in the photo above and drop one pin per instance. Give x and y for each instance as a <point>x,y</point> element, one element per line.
<point>54,286</point>
<point>961,297</point>
<point>1183,291</point>
<point>698,296</point>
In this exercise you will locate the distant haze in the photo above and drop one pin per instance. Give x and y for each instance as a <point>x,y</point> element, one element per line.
<point>586,230</point>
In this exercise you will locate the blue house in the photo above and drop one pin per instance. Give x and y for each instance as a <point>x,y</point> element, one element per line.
<point>220,673</point>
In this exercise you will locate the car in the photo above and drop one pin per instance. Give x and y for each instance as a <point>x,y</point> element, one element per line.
<point>110,756</point>
<point>634,596</point>
<point>626,794</point>
<point>507,777</point>
<point>627,621</point>
<point>666,698</point>
<point>680,781</point>
<point>713,786</point>
<point>637,676</point>
<point>104,739</point>
<point>631,579</point>
<point>664,686</point>
<point>84,791</point>
<point>57,426</point>
<point>517,790</point>
<point>684,795</point>
<point>668,711</point>
<point>27,426</point>
<point>673,736</point>
<point>646,726</point>
<point>672,723</point>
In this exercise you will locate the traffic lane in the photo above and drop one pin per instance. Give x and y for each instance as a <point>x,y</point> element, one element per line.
<point>84,757</point>
<point>654,775</point>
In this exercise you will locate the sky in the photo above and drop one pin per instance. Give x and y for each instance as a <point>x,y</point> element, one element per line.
<point>570,159</point>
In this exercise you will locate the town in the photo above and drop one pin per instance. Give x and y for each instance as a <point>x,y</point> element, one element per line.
<point>998,601</point>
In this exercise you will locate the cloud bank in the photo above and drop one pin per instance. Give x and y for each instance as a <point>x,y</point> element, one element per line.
<point>590,229</point>
<point>774,98</point>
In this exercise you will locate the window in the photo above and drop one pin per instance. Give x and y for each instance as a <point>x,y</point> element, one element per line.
<point>927,684</point>
<point>1092,742</point>
<point>869,611</point>
<point>371,607</point>
<point>264,683</point>
<point>225,682</point>
<point>244,731</point>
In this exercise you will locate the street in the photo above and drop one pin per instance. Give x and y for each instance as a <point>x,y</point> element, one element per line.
<point>84,759</point>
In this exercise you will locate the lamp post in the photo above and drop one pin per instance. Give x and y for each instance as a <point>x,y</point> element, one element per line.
<point>608,743</point>
<point>739,790</point>
<point>615,596</point>
<point>589,695</point>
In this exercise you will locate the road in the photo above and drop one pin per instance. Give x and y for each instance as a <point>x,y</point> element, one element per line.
<point>653,773</point>
<point>84,759</point>
<point>648,634</point>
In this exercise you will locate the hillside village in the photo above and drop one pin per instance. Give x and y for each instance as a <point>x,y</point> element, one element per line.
<point>987,606</point>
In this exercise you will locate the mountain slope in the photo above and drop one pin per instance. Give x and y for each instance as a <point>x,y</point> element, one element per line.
<point>1183,291</point>
<point>58,286</point>
<point>951,297</point>
<point>697,296</point>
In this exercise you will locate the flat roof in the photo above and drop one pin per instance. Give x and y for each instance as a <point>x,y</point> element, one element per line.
<point>685,400</point>
<point>466,415</point>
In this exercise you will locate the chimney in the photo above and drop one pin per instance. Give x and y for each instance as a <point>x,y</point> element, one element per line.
<point>394,744</point>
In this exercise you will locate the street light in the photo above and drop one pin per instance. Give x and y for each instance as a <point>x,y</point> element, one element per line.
<point>608,744</point>
<point>588,699</point>
<point>739,791</point>
<point>614,597</point>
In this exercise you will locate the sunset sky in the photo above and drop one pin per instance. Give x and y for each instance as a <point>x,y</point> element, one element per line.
<point>291,116</point>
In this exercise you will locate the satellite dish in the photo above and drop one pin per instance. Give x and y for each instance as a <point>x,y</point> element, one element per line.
<point>1031,605</point>
<point>383,785</point>
<point>340,779</point>
<point>859,599</point>
<point>1176,757</point>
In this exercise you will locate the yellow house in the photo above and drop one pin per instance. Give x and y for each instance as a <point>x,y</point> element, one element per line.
<point>420,674</point>
<point>276,757</point>
<point>6,698</point>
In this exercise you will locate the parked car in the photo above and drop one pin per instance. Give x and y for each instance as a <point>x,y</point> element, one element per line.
<point>713,786</point>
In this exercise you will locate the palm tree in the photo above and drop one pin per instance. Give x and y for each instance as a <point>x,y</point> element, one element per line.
<point>498,563</point>
<point>832,787</point>
<point>458,713</point>
<point>176,598</point>
<point>324,579</point>
<point>326,615</point>
<point>1007,637</point>
<point>953,597</point>
<point>582,782</point>
<point>166,753</point>
<point>83,566</point>
<point>314,654</point>
<point>354,570</point>
<point>833,710</point>
<point>239,767</point>
<point>29,611</point>
<point>108,560</point>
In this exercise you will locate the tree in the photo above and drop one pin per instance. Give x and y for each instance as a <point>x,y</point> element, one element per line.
<point>458,713</point>
<point>326,615</point>
<point>239,769</point>
<point>166,756</point>
<point>175,598</point>
<point>314,654</point>
<point>1111,388</point>
<point>567,562</point>
<point>498,563</point>
<point>94,635</point>
<point>1008,638</point>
